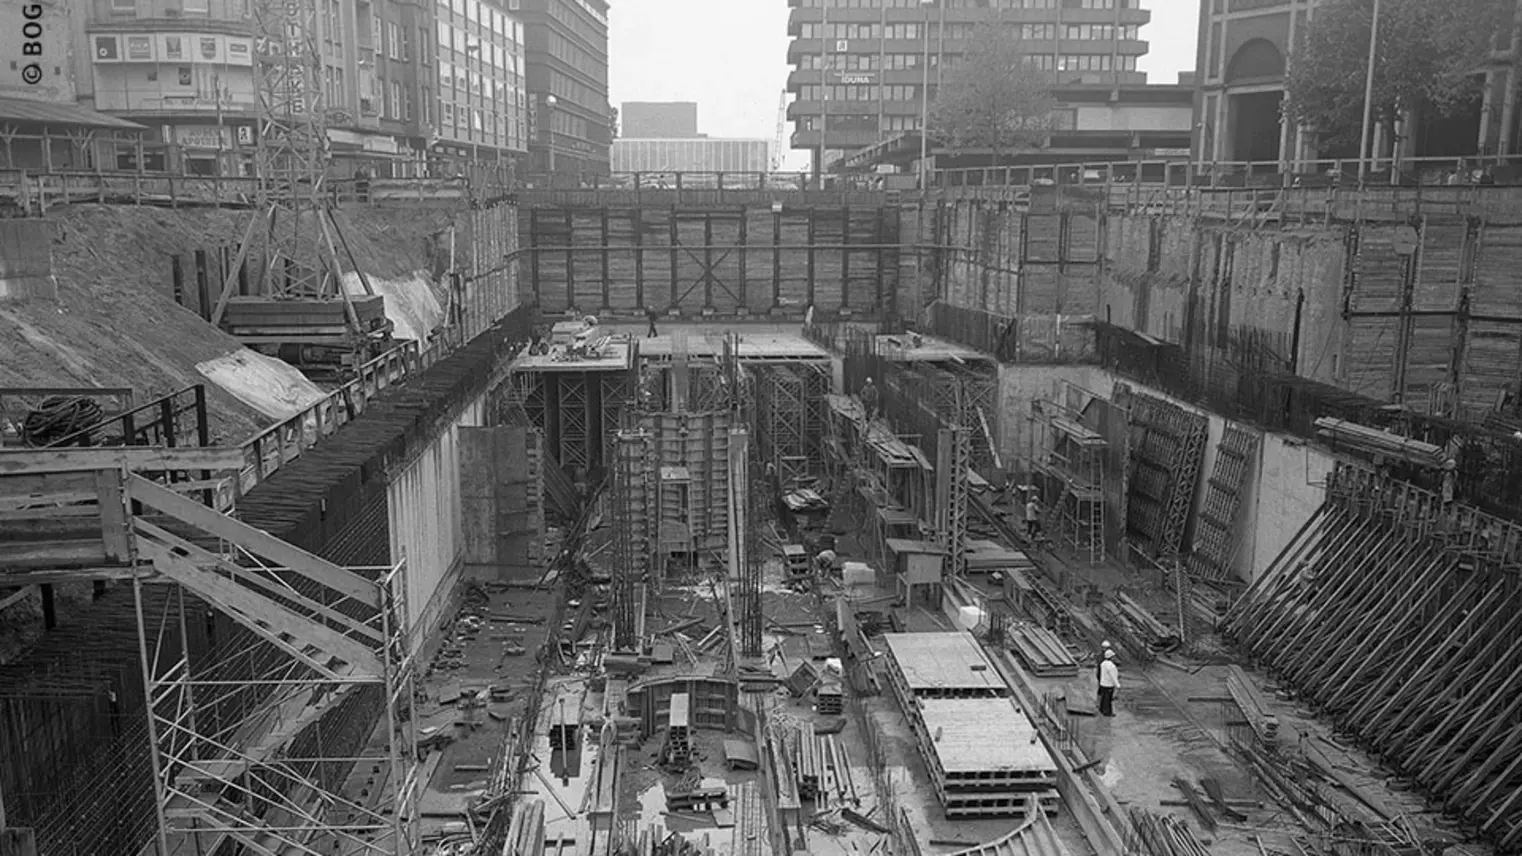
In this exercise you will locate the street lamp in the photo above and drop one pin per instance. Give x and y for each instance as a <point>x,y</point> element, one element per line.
<point>925,98</point>
<point>549,102</point>
<point>1368,100</point>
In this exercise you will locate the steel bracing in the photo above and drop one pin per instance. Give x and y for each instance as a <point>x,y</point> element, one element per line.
<point>336,655</point>
<point>954,454</point>
<point>1395,614</point>
<point>294,236</point>
<point>1215,528</point>
<point>744,567</point>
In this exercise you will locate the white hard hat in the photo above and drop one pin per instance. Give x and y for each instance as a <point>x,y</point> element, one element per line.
<point>1105,644</point>
<point>1109,655</point>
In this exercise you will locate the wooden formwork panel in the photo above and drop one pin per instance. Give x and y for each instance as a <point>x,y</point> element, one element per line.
<point>1428,356</point>
<point>1492,361</point>
<point>1496,263</point>
<point>1368,362</point>
<point>713,702</point>
<point>718,260</point>
<point>1440,266</point>
<point>1379,272</point>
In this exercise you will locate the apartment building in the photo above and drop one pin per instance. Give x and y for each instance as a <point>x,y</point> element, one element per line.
<point>701,154</point>
<point>571,122</point>
<point>860,66</point>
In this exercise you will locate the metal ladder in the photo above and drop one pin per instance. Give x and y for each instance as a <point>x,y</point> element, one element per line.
<point>1223,499</point>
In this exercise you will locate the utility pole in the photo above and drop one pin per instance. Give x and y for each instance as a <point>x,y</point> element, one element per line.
<point>824,85</point>
<point>925,100</point>
<point>1368,98</point>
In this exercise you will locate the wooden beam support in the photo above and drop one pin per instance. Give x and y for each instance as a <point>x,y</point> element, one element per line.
<point>255,541</point>
<point>134,458</point>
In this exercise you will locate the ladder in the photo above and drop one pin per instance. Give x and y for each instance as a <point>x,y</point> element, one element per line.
<point>1190,431</point>
<point>1211,556</point>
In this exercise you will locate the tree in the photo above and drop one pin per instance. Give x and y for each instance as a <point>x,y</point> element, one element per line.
<point>995,99</point>
<point>1429,57</point>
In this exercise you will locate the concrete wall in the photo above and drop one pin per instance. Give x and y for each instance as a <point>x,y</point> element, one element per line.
<point>426,524</point>
<point>1284,484</point>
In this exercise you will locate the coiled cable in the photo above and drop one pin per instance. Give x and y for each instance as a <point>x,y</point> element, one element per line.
<point>60,416</point>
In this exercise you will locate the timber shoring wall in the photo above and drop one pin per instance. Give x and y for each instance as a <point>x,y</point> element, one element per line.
<point>725,261</point>
<point>85,783</point>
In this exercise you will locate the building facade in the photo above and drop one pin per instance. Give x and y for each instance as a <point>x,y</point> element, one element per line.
<point>1245,47</point>
<point>658,120</point>
<point>480,112</point>
<point>691,155</point>
<point>570,120</point>
<point>860,66</point>
<point>184,69</point>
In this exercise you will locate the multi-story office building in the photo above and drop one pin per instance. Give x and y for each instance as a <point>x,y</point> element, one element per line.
<point>691,155</point>
<point>571,122</point>
<point>481,106</point>
<point>859,66</point>
<point>182,68</point>
<point>658,120</point>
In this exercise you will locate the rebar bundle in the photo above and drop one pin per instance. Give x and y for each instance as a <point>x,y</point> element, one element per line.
<point>1165,835</point>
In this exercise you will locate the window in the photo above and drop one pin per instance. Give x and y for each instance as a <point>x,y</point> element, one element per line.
<point>394,104</point>
<point>127,6</point>
<point>195,7</point>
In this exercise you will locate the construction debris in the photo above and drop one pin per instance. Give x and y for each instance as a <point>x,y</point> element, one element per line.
<point>1041,651</point>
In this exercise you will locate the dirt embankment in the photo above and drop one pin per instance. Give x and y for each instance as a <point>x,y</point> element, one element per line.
<point>115,322</point>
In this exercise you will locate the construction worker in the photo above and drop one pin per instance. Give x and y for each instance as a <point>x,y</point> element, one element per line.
<point>651,314</point>
<point>869,396</point>
<point>825,561</point>
<point>1109,681</point>
<point>1032,516</point>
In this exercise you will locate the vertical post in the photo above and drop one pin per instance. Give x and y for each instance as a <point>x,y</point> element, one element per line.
<point>824,85</point>
<point>925,99</point>
<point>1368,97</point>
<point>203,288</point>
<point>153,727</point>
<point>177,277</point>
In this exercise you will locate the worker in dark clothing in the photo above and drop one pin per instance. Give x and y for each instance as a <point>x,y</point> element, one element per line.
<point>869,399</point>
<point>651,314</point>
<point>1032,517</point>
<point>1109,681</point>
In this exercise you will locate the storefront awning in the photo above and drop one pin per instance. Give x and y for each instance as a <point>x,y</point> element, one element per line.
<point>62,115</point>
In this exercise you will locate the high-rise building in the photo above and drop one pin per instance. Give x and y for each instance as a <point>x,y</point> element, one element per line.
<point>480,112</point>
<point>658,120</point>
<point>571,122</point>
<point>859,66</point>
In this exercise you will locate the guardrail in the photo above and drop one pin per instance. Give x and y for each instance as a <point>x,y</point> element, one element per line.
<point>1340,173</point>
<point>274,447</point>
<point>33,193</point>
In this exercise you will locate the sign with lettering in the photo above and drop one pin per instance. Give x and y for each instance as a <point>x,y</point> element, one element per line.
<point>203,137</point>
<point>856,77</point>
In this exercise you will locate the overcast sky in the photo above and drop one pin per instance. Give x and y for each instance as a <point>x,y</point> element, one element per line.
<point>730,56</point>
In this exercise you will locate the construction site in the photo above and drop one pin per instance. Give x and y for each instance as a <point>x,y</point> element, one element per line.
<point>473,519</point>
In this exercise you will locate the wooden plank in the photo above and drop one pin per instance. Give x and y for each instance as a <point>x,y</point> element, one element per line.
<point>135,458</point>
<point>51,555</point>
<point>113,516</point>
<point>47,487</point>
<point>256,541</point>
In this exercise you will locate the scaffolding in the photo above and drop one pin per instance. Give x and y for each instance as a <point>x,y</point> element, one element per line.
<point>1074,472</point>
<point>288,758</point>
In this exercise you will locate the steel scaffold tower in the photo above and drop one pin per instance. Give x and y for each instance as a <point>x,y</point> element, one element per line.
<point>291,158</point>
<point>744,571</point>
<point>953,458</point>
<point>265,760</point>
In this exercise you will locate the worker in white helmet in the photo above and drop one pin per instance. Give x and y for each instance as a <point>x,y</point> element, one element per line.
<point>1109,682</point>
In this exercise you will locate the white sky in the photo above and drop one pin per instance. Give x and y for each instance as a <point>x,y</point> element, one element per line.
<point>730,56</point>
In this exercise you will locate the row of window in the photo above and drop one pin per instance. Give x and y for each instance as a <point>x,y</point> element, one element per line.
<point>954,31</point>
<point>863,62</point>
<point>458,78</point>
<point>572,53</point>
<point>848,63</point>
<point>476,12</point>
<point>591,33</point>
<point>499,52</point>
<point>1061,120</point>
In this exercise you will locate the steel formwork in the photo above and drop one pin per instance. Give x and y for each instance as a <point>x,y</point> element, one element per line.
<point>1073,469</point>
<point>576,411</point>
<point>631,520</point>
<point>781,413</point>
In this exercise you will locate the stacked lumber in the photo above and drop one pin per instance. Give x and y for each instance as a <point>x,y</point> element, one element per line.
<point>1135,629</point>
<point>1041,652</point>
<point>1254,706</point>
<point>1165,835</point>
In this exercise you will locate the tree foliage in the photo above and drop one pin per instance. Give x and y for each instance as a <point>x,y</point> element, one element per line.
<point>995,99</point>
<point>1427,57</point>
